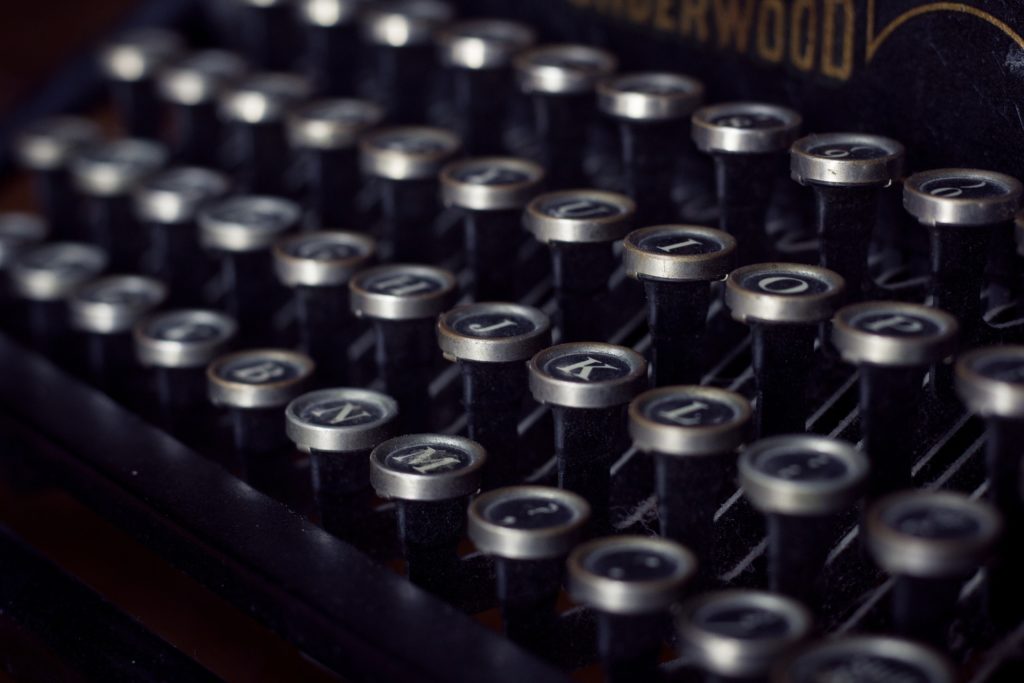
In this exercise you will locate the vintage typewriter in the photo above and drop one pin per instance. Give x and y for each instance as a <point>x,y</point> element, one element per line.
<point>493,341</point>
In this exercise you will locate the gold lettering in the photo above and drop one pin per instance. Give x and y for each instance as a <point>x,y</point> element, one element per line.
<point>732,22</point>
<point>771,26</point>
<point>693,19</point>
<point>843,68</point>
<point>640,11</point>
<point>801,42</point>
<point>662,16</point>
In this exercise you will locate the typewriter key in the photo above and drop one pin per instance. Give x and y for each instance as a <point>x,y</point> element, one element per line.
<point>430,477</point>
<point>253,111</point>
<point>478,55</point>
<point>892,344</point>
<point>746,141</point>
<point>45,148</point>
<point>339,427</point>
<point>491,342</point>
<point>255,386</point>
<point>990,381</point>
<point>847,172</point>
<point>403,301</point>
<point>405,163</point>
<point>676,265</point>
<point>653,111</point>
<point>43,278</point>
<point>167,204</point>
<point>317,267</point>
<point>106,176</point>
<point>693,434</point>
<point>866,659</point>
<point>739,635</point>
<point>529,531</point>
<point>130,64</point>
<point>579,227</point>
<point>931,542</point>
<point>561,80</point>
<point>264,30</point>
<point>105,311</point>
<point>491,192</point>
<point>630,582</point>
<point>782,303</point>
<point>177,346</point>
<point>800,482</point>
<point>963,209</point>
<point>401,36</point>
<point>324,134</point>
<point>18,231</point>
<point>241,231</point>
<point>329,31</point>
<point>190,88</point>
<point>588,386</point>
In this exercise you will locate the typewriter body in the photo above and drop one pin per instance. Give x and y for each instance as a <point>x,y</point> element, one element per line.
<point>614,340</point>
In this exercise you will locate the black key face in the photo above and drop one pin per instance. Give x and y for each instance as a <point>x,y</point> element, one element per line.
<point>490,174</point>
<point>189,183</point>
<point>18,228</point>
<point>529,513</point>
<point>1008,369</point>
<point>120,294</point>
<point>62,130</point>
<point>852,150</point>
<point>689,411</point>
<point>964,187</point>
<point>679,243</point>
<point>934,521</point>
<point>751,120</point>
<point>781,283</point>
<point>653,85</point>
<point>856,668</point>
<point>587,367</point>
<point>129,158</point>
<point>427,460</point>
<point>580,208</point>
<point>743,622</point>
<point>403,284</point>
<point>63,261</point>
<point>413,143</point>
<point>493,325</point>
<point>258,216</point>
<point>895,324</point>
<point>801,466</point>
<point>258,371</point>
<point>630,564</point>
<point>341,413</point>
<point>572,62</point>
<point>184,331</point>
<point>343,111</point>
<point>492,32</point>
<point>322,249</point>
<point>212,63</point>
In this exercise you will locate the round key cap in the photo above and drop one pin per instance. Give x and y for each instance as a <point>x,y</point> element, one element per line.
<point>800,482</point>
<point>402,302</point>
<point>339,427</point>
<point>45,148</point>
<point>190,87</point>
<point>317,266</point>
<point>676,265</point>
<point>847,172</point>
<point>19,231</point>
<point>892,344</point>
<point>256,147</point>
<point>588,386</point>
<point>330,33</point>
<point>867,659</point>
<point>168,204</point>
<point>579,227</point>
<point>401,35</point>
<point>491,193</point>
<point>782,303</point>
<point>478,54</point>
<point>130,64</point>
<point>491,342</point>
<point>324,134</point>
<point>561,80</point>
<point>430,477</point>
<point>739,635</point>
<point>964,210</point>
<point>528,531</point>
<point>106,175</point>
<point>746,141</point>
<point>405,161</point>
<point>693,434</point>
<point>652,110</point>
<point>630,582</point>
